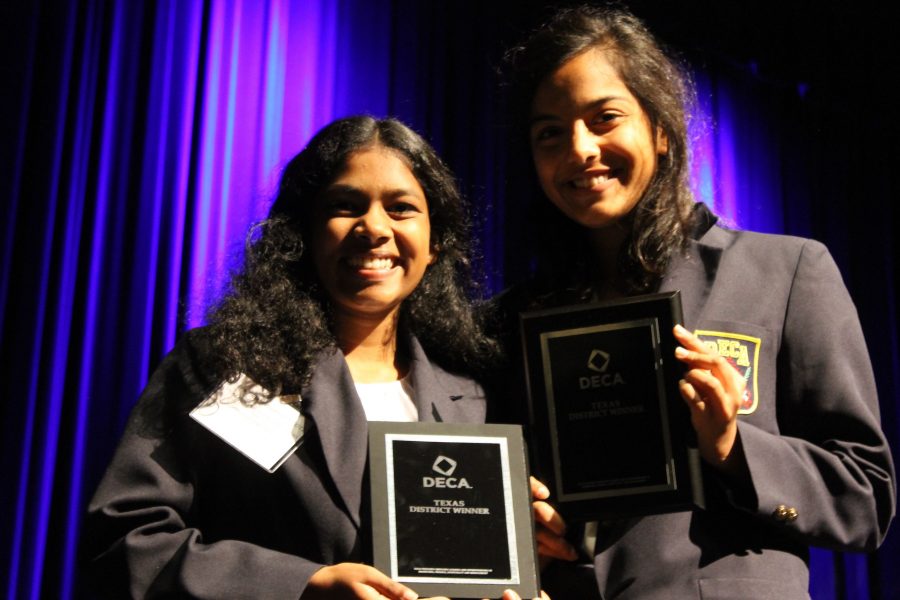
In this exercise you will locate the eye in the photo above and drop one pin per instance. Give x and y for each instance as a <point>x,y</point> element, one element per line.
<point>607,117</point>
<point>341,205</point>
<point>403,208</point>
<point>545,134</point>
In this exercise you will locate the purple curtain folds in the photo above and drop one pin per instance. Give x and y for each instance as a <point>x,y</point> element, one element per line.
<point>146,136</point>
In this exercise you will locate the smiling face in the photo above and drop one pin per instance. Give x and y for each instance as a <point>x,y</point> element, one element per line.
<point>593,146</point>
<point>371,237</point>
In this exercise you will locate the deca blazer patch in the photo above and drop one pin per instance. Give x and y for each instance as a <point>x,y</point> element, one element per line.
<point>742,351</point>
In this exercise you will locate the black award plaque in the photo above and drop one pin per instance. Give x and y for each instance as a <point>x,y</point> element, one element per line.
<point>451,508</point>
<point>611,434</point>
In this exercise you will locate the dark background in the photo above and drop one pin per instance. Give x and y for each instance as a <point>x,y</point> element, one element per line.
<point>815,130</point>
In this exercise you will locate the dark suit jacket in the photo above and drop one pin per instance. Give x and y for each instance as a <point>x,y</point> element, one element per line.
<point>813,441</point>
<point>181,513</point>
<point>819,471</point>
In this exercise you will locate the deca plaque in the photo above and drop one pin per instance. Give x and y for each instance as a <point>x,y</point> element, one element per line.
<point>611,433</point>
<point>451,508</point>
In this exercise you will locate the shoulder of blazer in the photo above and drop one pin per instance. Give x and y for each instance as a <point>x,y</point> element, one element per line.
<point>774,243</point>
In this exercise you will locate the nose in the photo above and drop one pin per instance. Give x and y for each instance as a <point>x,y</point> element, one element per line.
<point>585,143</point>
<point>373,226</point>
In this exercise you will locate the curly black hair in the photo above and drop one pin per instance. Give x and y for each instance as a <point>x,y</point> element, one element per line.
<point>273,320</point>
<point>661,222</point>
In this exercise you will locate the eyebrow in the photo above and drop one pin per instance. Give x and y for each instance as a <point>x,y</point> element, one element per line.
<point>543,117</point>
<point>343,188</point>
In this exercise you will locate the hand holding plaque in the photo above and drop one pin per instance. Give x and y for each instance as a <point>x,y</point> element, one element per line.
<point>715,392</point>
<point>451,508</point>
<point>611,433</point>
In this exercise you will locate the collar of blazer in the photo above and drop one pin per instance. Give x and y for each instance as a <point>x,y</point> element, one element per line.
<point>333,405</point>
<point>694,271</point>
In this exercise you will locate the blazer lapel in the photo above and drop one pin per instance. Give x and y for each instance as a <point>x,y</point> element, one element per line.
<point>693,274</point>
<point>333,405</point>
<point>438,394</point>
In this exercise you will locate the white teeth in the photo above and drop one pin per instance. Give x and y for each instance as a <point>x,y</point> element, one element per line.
<point>589,182</point>
<point>369,262</point>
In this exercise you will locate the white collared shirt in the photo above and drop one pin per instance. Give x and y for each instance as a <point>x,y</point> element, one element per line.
<point>388,400</point>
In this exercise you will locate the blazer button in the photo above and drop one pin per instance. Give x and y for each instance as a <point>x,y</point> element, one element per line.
<point>785,514</point>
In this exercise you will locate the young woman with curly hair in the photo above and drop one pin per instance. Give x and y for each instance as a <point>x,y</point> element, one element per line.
<point>355,294</point>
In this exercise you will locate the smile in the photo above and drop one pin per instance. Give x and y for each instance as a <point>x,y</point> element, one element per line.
<point>585,183</point>
<point>594,179</point>
<point>373,263</point>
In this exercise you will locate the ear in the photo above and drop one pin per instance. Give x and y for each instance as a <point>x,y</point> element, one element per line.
<point>662,142</point>
<point>433,254</point>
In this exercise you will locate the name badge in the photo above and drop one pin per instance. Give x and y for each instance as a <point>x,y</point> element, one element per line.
<point>266,433</point>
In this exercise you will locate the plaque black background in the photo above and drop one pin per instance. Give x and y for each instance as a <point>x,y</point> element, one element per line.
<point>453,540</point>
<point>634,448</point>
<point>606,435</point>
<point>520,492</point>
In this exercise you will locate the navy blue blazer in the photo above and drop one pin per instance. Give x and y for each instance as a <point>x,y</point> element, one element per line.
<point>819,470</point>
<point>181,513</point>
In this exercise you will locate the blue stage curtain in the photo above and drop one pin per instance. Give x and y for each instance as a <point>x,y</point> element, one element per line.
<point>142,138</point>
<point>754,150</point>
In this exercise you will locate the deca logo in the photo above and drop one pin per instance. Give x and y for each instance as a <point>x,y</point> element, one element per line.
<point>598,362</point>
<point>445,466</point>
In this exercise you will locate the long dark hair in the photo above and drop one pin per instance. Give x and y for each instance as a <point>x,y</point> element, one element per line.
<point>660,223</point>
<point>273,320</point>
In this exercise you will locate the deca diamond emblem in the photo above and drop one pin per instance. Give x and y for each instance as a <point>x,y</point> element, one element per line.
<point>443,465</point>
<point>598,361</point>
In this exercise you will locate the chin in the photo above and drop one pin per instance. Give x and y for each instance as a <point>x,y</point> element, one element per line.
<point>600,217</point>
<point>597,220</point>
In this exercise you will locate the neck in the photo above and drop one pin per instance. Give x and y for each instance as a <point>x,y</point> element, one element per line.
<point>605,245</point>
<point>369,345</point>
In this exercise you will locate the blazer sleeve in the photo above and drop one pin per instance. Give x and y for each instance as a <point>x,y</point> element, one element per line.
<point>830,461</point>
<point>141,533</point>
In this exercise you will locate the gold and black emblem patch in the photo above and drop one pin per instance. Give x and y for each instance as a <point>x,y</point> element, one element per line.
<point>742,351</point>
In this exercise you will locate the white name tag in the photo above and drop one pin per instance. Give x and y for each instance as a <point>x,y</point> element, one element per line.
<point>266,433</point>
